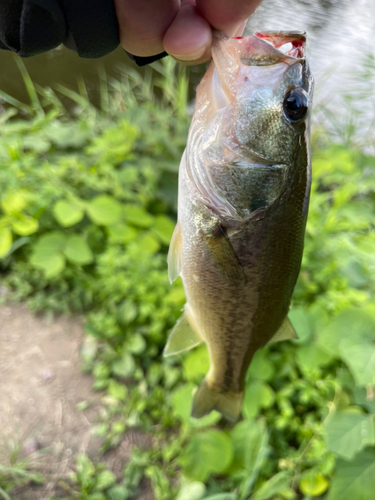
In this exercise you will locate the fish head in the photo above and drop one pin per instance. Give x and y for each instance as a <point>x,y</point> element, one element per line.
<point>268,91</point>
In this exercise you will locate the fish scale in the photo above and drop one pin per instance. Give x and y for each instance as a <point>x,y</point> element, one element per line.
<point>244,184</point>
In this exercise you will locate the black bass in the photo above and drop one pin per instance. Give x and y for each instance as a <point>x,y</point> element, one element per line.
<point>244,185</point>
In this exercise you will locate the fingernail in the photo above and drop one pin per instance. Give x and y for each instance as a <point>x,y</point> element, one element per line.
<point>191,56</point>
<point>241,29</point>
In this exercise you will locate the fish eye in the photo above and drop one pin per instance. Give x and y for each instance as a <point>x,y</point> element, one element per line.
<point>295,104</point>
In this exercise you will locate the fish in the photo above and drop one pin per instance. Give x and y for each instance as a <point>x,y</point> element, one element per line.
<point>243,197</point>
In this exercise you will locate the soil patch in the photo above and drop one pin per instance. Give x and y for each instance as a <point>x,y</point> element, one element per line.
<point>41,384</point>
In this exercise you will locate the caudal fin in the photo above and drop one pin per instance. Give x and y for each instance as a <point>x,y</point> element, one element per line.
<point>207,399</point>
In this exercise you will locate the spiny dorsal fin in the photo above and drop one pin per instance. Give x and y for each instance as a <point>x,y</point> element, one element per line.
<point>285,332</point>
<point>182,337</point>
<point>174,254</point>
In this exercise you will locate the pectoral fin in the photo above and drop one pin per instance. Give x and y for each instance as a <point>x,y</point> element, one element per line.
<point>223,256</point>
<point>174,254</point>
<point>285,332</point>
<point>182,337</point>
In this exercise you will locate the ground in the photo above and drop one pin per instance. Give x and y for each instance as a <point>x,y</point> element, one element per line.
<point>41,384</point>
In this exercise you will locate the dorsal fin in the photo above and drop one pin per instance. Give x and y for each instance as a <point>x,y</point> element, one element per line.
<point>182,337</point>
<point>174,254</point>
<point>285,332</point>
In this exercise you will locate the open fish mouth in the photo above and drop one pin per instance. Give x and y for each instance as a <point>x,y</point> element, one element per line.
<point>265,48</point>
<point>291,43</point>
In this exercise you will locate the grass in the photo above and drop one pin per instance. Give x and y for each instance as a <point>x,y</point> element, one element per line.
<point>15,471</point>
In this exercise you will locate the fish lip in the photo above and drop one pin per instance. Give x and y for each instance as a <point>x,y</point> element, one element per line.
<point>279,38</point>
<point>264,47</point>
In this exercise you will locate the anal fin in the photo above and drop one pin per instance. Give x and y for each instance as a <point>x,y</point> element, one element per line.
<point>174,254</point>
<point>285,332</point>
<point>182,337</point>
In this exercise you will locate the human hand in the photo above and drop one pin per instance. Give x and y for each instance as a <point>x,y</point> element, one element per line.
<point>183,29</point>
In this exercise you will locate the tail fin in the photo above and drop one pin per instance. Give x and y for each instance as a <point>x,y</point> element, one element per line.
<point>207,399</point>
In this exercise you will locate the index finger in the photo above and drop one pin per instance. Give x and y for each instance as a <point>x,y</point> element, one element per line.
<point>227,16</point>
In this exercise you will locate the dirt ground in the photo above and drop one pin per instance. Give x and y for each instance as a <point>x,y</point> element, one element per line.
<point>40,386</point>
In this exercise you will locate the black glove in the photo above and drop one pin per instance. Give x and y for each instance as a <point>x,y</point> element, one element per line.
<point>29,27</point>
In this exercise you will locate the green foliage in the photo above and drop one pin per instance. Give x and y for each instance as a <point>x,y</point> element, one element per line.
<point>15,220</point>
<point>51,250</point>
<point>313,483</point>
<point>17,475</point>
<point>355,479</point>
<point>347,433</point>
<point>17,471</point>
<point>207,452</point>
<point>87,213</point>
<point>93,482</point>
<point>192,491</point>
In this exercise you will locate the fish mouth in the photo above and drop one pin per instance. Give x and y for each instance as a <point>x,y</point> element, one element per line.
<point>266,48</point>
<point>293,42</point>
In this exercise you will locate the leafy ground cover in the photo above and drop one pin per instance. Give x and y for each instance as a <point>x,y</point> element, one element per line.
<point>88,204</point>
